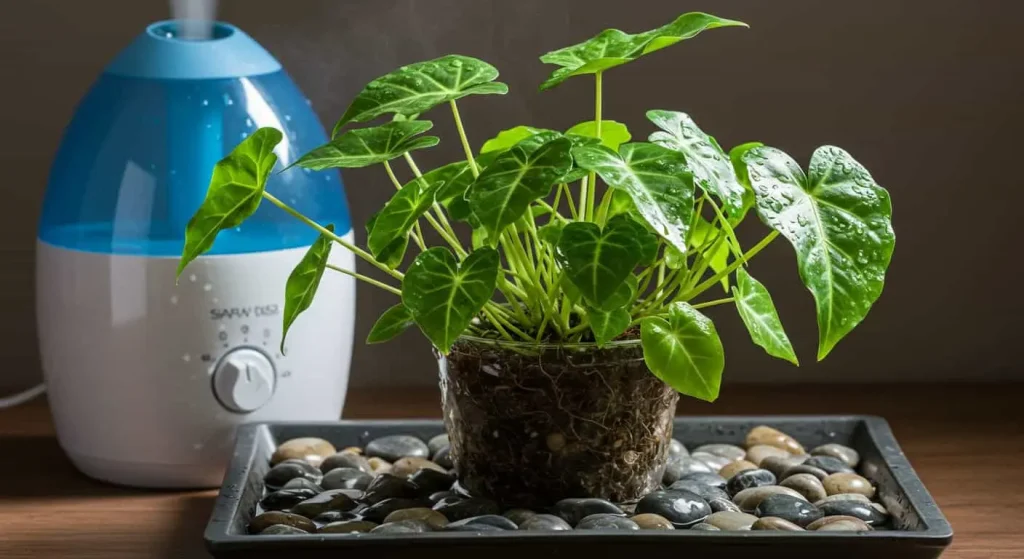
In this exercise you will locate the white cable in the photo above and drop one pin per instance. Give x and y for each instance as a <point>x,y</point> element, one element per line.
<point>22,397</point>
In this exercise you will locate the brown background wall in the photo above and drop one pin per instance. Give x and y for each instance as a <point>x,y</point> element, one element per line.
<point>928,95</point>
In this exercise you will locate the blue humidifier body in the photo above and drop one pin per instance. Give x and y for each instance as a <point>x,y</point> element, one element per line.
<point>148,379</point>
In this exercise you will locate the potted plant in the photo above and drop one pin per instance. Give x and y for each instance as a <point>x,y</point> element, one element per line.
<point>568,322</point>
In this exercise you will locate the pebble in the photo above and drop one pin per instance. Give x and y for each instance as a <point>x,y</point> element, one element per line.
<point>310,449</point>
<point>829,464</point>
<point>543,522</point>
<point>730,452</point>
<point>862,511</point>
<point>285,498</point>
<point>748,499</point>
<point>435,497</point>
<point>574,509</point>
<point>402,527</point>
<point>748,479</point>
<point>519,516</point>
<point>805,469</point>
<point>778,465</point>
<point>380,510</point>
<point>676,449</point>
<point>347,527</point>
<point>302,483</point>
<point>393,447</point>
<point>429,481</point>
<point>794,509</point>
<point>282,473</point>
<point>651,521</point>
<point>378,465</point>
<point>460,490</point>
<point>844,453</point>
<point>765,435</point>
<point>355,449</point>
<point>387,486</point>
<point>839,524</point>
<point>848,483</point>
<point>606,522</point>
<point>406,467</point>
<point>711,460</point>
<point>334,516</point>
<point>705,527</point>
<point>335,499</point>
<point>345,459</point>
<point>711,480</point>
<point>282,530</point>
<point>437,443</point>
<point>775,523</point>
<point>706,492</point>
<point>264,520</point>
<point>682,508</point>
<point>733,468</point>
<point>457,508</point>
<point>346,478</point>
<point>857,497</point>
<point>430,517</point>
<point>443,458</point>
<point>723,504</point>
<point>676,469</point>
<point>758,453</point>
<point>807,485</point>
<point>731,520</point>
<point>489,519</point>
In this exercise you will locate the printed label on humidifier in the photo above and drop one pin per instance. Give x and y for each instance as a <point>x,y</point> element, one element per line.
<point>244,312</point>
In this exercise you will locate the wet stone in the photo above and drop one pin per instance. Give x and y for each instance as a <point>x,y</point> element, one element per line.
<point>733,468</point>
<point>676,449</point>
<point>730,452</point>
<point>335,499</point>
<point>676,469</point>
<point>712,461</point>
<point>379,511</point>
<point>264,520</point>
<point>796,510</point>
<point>457,508</point>
<point>310,449</point>
<point>431,517</point>
<point>334,516</point>
<point>764,435</point>
<point>345,459</point>
<point>775,523</point>
<point>347,527</point>
<point>711,480</point>
<point>606,522</point>
<point>378,466</point>
<point>393,447</point>
<point>748,479</point>
<point>285,498</point>
<point>437,443</point>
<point>573,510</point>
<point>848,455</point>
<point>705,491</point>
<point>748,499</point>
<point>778,465</point>
<point>804,469</point>
<point>460,490</point>
<point>282,530</point>
<point>406,467</point>
<point>807,485</point>
<point>519,516</point>
<point>651,521</point>
<point>402,527</point>
<point>843,497</point>
<point>429,481</point>
<point>443,458</point>
<point>286,471</point>
<point>346,478</point>
<point>541,522</point>
<point>839,524</point>
<point>682,508</point>
<point>848,483</point>
<point>829,464</point>
<point>302,483</point>
<point>489,519</point>
<point>758,453</point>
<point>731,521</point>
<point>862,511</point>
<point>435,497</point>
<point>387,486</point>
<point>705,527</point>
<point>723,504</point>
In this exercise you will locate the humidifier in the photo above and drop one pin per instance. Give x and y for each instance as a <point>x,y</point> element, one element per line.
<point>148,378</point>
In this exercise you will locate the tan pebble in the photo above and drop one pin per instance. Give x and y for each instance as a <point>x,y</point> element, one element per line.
<point>758,453</point>
<point>775,523</point>
<point>804,469</point>
<point>379,466</point>
<point>651,521</point>
<point>733,468</point>
<point>262,521</point>
<point>405,467</point>
<point>763,434</point>
<point>806,485</point>
<point>345,459</point>
<point>848,483</point>
<point>748,499</point>
<point>310,449</point>
<point>353,449</point>
<point>779,464</point>
<point>347,527</point>
<point>431,517</point>
<point>839,523</point>
<point>730,451</point>
<point>844,453</point>
<point>843,497</point>
<point>705,527</point>
<point>727,520</point>
<point>712,461</point>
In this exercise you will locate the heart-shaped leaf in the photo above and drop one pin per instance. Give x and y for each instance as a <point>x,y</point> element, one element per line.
<point>613,134</point>
<point>304,280</point>
<point>838,220</point>
<point>526,137</point>
<point>655,177</point>
<point>674,260</point>
<point>419,87</point>
<point>757,310</point>
<point>607,325</point>
<point>393,322</point>
<point>598,261</point>
<point>712,170</point>
<point>234,194</point>
<point>398,216</point>
<point>736,156</point>
<point>621,297</point>
<point>612,47</point>
<point>551,232</point>
<point>505,189</point>
<point>684,351</point>
<point>444,295</point>
<point>366,146</point>
<point>394,253</point>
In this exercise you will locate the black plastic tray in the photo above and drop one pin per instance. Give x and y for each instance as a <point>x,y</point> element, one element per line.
<point>921,531</point>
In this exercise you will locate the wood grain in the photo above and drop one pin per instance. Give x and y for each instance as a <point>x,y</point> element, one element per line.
<point>966,441</point>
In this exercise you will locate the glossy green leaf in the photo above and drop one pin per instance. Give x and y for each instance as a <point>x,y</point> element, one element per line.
<point>712,170</point>
<point>621,204</point>
<point>551,232</point>
<point>419,87</point>
<point>736,156</point>
<point>304,280</point>
<point>674,260</point>
<point>838,220</point>
<point>455,178</point>
<point>393,322</point>
<point>504,190</point>
<point>400,214</point>
<point>655,177</point>
<point>684,351</point>
<point>757,310</point>
<point>622,296</point>
<point>444,295</point>
<point>607,325</point>
<point>717,254</point>
<point>612,47</point>
<point>613,134</point>
<point>367,146</point>
<point>598,261</point>
<point>392,255</point>
<point>508,138</point>
<point>234,193</point>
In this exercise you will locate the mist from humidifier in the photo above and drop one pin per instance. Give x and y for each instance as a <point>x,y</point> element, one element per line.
<point>195,16</point>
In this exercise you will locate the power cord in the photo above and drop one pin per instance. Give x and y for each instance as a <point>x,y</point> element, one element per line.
<point>22,397</point>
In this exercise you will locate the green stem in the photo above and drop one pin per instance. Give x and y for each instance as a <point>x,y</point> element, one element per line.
<point>367,279</point>
<point>465,141</point>
<point>584,196</point>
<point>588,213</point>
<point>497,324</point>
<point>437,207</point>
<point>606,204</point>
<point>731,267</point>
<point>568,200</point>
<point>418,232</point>
<point>508,324</point>
<point>598,78</point>
<point>713,303</point>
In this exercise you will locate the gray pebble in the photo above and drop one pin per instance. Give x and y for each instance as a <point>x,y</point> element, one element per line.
<point>676,449</point>
<point>443,457</point>
<point>283,530</point>
<point>574,509</point>
<point>285,499</point>
<point>713,461</point>
<point>748,479</point>
<point>437,443</point>
<point>345,459</point>
<point>787,507</point>
<point>282,473</point>
<point>491,519</point>
<point>393,447</point>
<point>705,527</point>
<point>676,469</point>
<point>379,511</point>
<point>848,455</point>
<point>544,522</point>
<point>728,451</point>
<point>302,483</point>
<point>387,486</point>
<point>682,508</point>
<point>346,478</point>
<point>402,527</point>
<point>606,522</point>
<point>830,464</point>
<point>804,469</point>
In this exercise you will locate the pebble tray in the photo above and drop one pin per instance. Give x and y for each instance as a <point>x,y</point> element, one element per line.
<point>921,529</point>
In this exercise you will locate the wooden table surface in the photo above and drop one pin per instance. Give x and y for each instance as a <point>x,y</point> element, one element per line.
<point>965,441</point>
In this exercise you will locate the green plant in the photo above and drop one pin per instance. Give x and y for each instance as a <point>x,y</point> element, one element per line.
<point>555,258</point>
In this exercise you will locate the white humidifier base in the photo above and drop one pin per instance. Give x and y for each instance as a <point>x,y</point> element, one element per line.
<point>148,380</point>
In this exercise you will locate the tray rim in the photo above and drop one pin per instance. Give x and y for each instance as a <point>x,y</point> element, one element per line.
<point>938,531</point>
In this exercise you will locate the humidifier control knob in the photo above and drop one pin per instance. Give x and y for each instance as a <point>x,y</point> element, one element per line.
<point>244,380</point>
